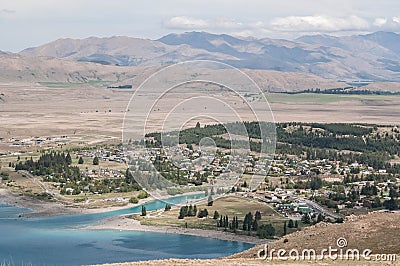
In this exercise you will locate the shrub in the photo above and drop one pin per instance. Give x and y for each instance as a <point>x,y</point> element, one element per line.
<point>133,200</point>
<point>142,194</point>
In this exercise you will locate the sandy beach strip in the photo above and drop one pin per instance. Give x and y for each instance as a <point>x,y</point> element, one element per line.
<point>124,223</point>
<point>51,208</point>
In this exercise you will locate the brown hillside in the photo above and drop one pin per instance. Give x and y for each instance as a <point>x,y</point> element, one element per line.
<point>379,232</point>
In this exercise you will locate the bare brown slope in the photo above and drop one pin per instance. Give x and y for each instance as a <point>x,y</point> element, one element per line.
<point>379,232</point>
<point>383,86</point>
<point>373,57</point>
<point>122,50</point>
<point>27,70</point>
<point>278,81</point>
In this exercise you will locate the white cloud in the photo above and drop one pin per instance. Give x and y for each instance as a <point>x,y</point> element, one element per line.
<point>387,24</point>
<point>184,22</point>
<point>379,22</point>
<point>8,11</point>
<point>290,25</point>
<point>319,24</point>
<point>227,24</point>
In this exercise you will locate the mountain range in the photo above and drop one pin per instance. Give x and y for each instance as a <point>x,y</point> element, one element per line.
<point>18,69</point>
<point>373,56</point>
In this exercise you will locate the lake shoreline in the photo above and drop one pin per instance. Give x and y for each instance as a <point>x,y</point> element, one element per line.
<point>123,223</point>
<point>40,208</point>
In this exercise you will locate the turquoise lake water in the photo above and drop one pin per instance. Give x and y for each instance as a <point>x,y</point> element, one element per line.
<point>58,240</point>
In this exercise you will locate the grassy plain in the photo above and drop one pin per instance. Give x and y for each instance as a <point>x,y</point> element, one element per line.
<point>328,98</point>
<point>97,113</point>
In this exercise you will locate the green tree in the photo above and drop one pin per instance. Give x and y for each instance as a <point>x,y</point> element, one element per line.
<point>393,193</point>
<point>255,225</point>
<point>190,210</point>
<point>202,213</point>
<point>236,223</point>
<point>290,224</point>
<point>315,183</point>
<point>248,222</point>
<point>266,231</point>
<point>376,203</point>
<point>216,215</point>
<point>96,160</point>
<point>68,159</point>
<point>391,204</point>
<point>220,222</point>
<point>80,161</point>
<point>339,220</point>
<point>183,212</point>
<point>144,212</point>
<point>210,201</point>
<point>226,221</point>
<point>306,219</point>
<point>284,228</point>
<point>257,216</point>
<point>320,218</point>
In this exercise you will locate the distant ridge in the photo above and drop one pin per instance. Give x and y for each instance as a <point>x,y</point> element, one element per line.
<point>373,56</point>
<point>15,68</point>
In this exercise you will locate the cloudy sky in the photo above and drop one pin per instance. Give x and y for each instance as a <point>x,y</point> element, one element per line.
<point>26,23</point>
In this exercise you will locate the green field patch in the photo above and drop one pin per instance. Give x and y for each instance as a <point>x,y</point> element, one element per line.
<point>325,98</point>
<point>94,83</point>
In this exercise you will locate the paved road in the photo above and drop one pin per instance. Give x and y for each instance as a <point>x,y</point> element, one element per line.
<point>321,209</point>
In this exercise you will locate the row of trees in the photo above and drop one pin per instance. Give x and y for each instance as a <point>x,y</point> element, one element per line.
<point>191,211</point>
<point>188,211</point>
<point>249,223</point>
<point>225,223</point>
